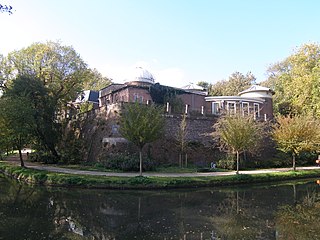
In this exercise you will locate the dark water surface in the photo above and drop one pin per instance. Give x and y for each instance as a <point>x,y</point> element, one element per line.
<point>285,211</point>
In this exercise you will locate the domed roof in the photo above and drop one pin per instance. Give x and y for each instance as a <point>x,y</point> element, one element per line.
<point>139,74</point>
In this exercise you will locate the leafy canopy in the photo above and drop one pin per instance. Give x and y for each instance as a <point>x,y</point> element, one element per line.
<point>296,134</point>
<point>236,83</point>
<point>238,134</point>
<point>141,124</point>
<point>296,82</point>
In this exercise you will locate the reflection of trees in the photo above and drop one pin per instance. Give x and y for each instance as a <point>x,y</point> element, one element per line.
<point>223,213</point>
<point>301,221</point>
<point>238,217</point>
<point>23,211</point>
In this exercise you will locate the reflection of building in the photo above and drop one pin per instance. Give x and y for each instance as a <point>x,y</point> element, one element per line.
<point>255,101</point>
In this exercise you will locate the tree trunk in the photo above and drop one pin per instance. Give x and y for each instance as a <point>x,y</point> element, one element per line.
<point>186,160</point>
<point>293,161</point>
<point>21,159</point>
<point>237,162</point>
<point>180,160</point>
<point>140,156</point>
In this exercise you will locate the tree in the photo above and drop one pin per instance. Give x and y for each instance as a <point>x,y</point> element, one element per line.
<point>296,134</point>
<point>141,124</point>
<point>236,83</point>
<point>204,84</point>
<point>95,81</point>
<point>53,75</point>
<point>296,82</point>
<point>16,114</point>
<point>37,107</point>
<point>238,134</point>
<point>59,67</point>
<point>181,139</point>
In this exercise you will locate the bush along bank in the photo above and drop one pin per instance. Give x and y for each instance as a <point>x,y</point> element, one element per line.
<point>61,179</point>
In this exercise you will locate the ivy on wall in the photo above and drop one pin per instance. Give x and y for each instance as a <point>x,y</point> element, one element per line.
<point>162,94</point>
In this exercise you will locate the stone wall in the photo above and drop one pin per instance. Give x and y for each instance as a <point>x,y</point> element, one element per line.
<point>99,129</point>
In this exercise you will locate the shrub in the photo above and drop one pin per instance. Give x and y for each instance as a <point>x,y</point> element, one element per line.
<point>226,163</point>
<point>127,163</point>
<point>41,156</point>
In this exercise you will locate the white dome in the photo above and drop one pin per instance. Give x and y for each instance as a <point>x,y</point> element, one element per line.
<point>139,74</point>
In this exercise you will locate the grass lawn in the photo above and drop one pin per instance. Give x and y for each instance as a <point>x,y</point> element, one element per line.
<point>61,179</point>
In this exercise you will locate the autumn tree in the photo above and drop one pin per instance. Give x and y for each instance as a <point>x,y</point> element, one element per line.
<point>238,134</point>
<point>236,83</point>
<point>59,67</point>
<point>95,80</point>
<point>181,139</point>
<point>53,75</point>
<point>141,124</point>
<point>296,134</point>
<point>296,82</point>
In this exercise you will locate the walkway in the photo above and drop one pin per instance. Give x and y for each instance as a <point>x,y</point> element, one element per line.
<point>15,160</point>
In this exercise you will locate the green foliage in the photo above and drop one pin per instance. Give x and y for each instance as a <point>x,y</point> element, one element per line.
<point>203,84</point>
<point>236,83</point>
<point>296,82</point>
<point>181,138</point>
<point>237,134</point>
<point>50,178</point>
<point>297,134</point>
<point>127,163</point>
<point>162,94</point>
<point>42,156</point>
<point>226,163</point>
<point>95,81</point>
<point>301,220</point>
<point>85,107</point>
<point>31,108</point>
<point>141,124</point>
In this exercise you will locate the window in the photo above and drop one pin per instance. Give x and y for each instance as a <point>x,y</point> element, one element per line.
<point>215,108</point>
<point>245,109</point>
<point>231,108</point>
<point>135,97</point>
<point>256,109</point>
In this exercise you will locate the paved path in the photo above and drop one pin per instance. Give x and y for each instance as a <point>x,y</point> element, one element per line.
<point>15,160</point>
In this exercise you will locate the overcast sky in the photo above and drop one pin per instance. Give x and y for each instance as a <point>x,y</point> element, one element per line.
<point>179,41</point>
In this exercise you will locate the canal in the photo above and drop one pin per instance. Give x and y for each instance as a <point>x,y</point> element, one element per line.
<point>289,210</point>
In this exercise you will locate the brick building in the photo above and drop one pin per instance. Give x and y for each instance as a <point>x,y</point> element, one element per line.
<point>141,87</point>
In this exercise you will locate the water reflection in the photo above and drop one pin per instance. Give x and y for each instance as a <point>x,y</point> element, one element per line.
<point>218,213</point>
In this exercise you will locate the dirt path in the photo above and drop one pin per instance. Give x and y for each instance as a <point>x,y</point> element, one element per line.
<point>16,161</point>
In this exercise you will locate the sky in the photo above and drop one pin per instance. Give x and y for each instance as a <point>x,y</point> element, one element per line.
<point>178,41</point>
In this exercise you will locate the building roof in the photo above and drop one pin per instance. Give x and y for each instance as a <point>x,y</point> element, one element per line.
<point>196,89</point>
<point>111,88</point>
<point>139,74</point>
<point>88,96</point>
<point>234,99</point>
<point>192,86</point>
<point>257,88</point>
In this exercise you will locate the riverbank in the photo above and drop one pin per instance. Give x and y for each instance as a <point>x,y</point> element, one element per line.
<point>43,177</point>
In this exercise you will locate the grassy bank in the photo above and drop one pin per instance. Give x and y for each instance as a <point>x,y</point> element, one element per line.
<point>60,179</point>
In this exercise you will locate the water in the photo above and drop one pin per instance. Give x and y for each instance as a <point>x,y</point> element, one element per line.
<point>285,211</point>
